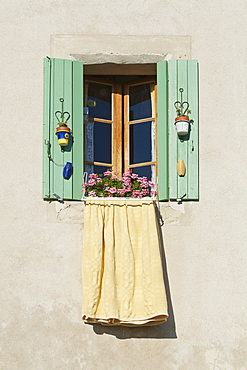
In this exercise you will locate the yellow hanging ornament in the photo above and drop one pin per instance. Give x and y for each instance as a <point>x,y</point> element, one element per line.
<point>181,169</point>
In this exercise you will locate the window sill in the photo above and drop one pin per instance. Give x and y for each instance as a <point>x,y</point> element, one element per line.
<point>151,199</point>
<point>72,212</point>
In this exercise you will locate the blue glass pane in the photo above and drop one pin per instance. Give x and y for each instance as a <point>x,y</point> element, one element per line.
<point>140,102</point>
<point>140,142</point>
<point>102,142</point>
<point>99,101</point>
<point>97,169</point>
<point>144,171</point>
<point>98,141</point>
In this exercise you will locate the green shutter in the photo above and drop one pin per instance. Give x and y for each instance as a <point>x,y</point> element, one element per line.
<point>181,74</point>
<point>63,79</point>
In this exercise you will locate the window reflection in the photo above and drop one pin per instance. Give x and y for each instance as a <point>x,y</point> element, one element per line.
<point>90,168</point>
<point>99,101</point>
<point>144,171</point>
<point>98,142</point>
<point>140,102</point>
<point>141,142</point>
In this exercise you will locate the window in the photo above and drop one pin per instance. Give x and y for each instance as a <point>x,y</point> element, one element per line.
<point>129,123</point>
<point>120,126</point>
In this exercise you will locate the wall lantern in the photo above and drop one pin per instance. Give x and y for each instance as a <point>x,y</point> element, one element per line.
<point>182,120</point>
<point>63,131</point>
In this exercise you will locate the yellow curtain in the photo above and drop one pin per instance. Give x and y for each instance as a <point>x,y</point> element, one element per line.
<point>121,269</point>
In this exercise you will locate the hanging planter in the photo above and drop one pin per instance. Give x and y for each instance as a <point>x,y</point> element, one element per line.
<point>182,125</point>
<point>63,133</point>
<point>182,121</point>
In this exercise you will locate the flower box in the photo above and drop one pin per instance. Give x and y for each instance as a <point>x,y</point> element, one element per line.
<point>108,186</point>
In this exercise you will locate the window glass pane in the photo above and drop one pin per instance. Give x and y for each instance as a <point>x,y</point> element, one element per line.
<point>140,102</point>
<point>102,142</point>
<point>140,142</point>
<point>90,168</point>
<point>98,142</point>
<point>99,101</point>
<point>144,171</point>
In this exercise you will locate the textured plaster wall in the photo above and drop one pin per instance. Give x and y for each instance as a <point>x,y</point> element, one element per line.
<point>205,241</point>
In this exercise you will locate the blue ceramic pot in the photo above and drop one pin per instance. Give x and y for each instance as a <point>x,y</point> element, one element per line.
<point>67,170</point>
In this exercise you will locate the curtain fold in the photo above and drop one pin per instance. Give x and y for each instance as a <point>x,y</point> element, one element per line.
<point>121,268</point>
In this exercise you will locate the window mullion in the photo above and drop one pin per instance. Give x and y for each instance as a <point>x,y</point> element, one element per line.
<point>117,130</point>
<point>126,128</point>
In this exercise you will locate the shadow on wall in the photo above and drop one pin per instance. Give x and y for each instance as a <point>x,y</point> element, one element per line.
<point>161,331</point>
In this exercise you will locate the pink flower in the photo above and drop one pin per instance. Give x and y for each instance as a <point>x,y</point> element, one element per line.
<point>93,176</point>
<point>127,183</point>
<point>121,192</point>
<point>144,185</point>
<point>134,176</point>
<point>143,182</point>
<point>113,176</point>
<point>154,192</point>
<point>92,194</point>
<point>126,178</point>
<point>112,190</point>
<point>108,172</point>
<point>99,179</point>
<point>137,194</point>
<point>145,192</point>
<point>127,173</point>
<point>92,182</point>
<point>150,183</point>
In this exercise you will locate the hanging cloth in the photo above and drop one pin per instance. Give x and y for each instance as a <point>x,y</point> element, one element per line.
<point>121,269</point>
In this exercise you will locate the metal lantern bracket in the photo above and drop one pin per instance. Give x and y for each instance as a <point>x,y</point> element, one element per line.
<point>64,116</point>
<point>63,132</point>
<point>180,105</point>
<point>182,121</point>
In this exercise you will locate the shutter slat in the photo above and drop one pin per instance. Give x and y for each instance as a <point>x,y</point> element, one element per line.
<point>173,140</point>
<point>78,129</point>
<point>57,93</point>
<point>182,146</point>
<point>193,145</point>
<point>162,81</point>
<point>67,95</point>
<point>46,125</point>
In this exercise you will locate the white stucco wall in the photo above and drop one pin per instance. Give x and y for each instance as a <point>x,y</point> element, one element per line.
<point>205,245</point>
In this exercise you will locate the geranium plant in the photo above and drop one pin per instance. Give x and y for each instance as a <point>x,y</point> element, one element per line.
<point>109,185</point>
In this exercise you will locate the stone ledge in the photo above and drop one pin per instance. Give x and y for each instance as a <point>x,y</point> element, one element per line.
<point>65,46</point>
<point>73,212</point>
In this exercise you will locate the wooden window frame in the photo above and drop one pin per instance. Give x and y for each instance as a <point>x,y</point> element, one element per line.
<point>127,122</point>
<point>115,122</point>
<point>120,122</point>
